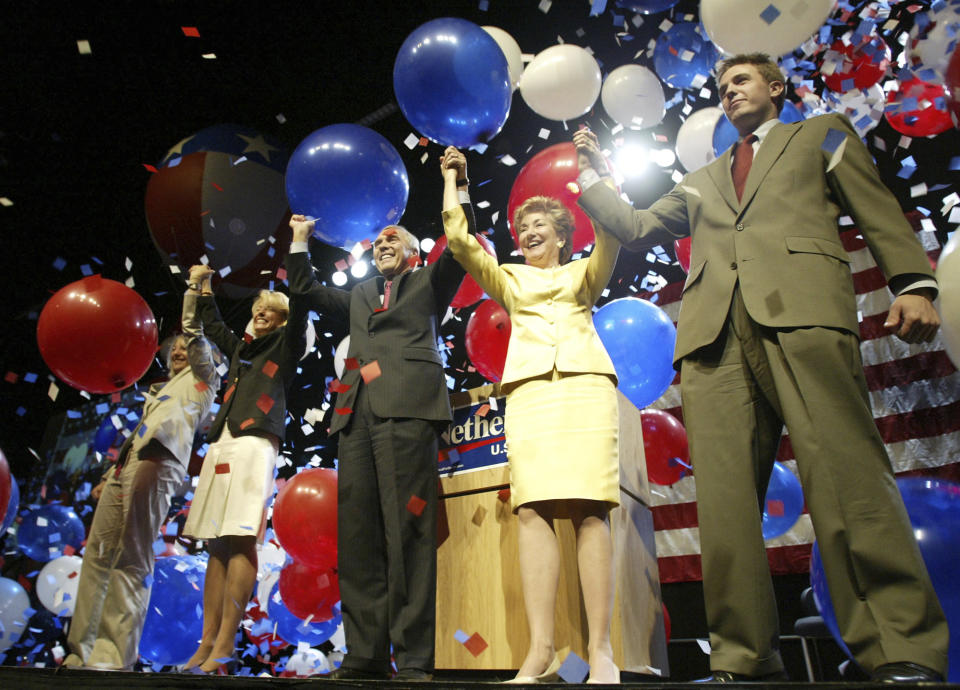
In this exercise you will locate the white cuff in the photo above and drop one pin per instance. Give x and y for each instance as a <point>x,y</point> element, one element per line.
<point>463,196</point>
<point>587,178</point>
<point>298,247</point>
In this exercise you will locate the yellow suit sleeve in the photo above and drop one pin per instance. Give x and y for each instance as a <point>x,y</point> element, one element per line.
<point>468,252</point>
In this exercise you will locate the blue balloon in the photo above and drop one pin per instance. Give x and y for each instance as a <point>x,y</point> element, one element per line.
<point>350,180</point>
<point>45,531</point>
<point>452,83</point>
<point>782,503</point>
<point>934,509</point>
<point>682,54</point>
<point>725,134</point>
<point>174,623</point>
<point>106,435</point>
<point>639,337</point>
<point>12,507</point>
<point>646,6</point>
<point>293,629</point>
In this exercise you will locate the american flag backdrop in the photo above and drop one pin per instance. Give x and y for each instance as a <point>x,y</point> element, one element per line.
<point>914,392</point>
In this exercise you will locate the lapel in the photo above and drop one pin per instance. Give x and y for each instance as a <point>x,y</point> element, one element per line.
<point>719,171</point>
<point>771,149</point>
<point>371,291</point>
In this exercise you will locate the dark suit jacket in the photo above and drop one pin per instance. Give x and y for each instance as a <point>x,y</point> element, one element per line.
<point>255,396</point>
<point>402,339</point>
<point>781,240</point>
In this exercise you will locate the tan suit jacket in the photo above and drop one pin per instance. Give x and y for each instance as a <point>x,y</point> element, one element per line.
<point>781,241</point>
<point>551,310</point>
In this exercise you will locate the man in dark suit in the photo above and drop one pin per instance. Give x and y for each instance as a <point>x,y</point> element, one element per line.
<point>768,335</point>
<point>392,403</point>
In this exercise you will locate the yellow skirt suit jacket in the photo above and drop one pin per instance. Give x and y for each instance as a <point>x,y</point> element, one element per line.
<point>561,414</point>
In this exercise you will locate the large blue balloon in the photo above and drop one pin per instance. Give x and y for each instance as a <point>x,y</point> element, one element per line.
<point>934,509</point>
<point>45,531</point>
<point>682,54</point>
<point>293,629</point>
<point>452,83</point>
<point>174,622</point>
<point>350,180</point>
<point>12,506</point>
<point>725,134</point>
<point>782,503</point>
<point>639,337</point>
<point>646,6</point>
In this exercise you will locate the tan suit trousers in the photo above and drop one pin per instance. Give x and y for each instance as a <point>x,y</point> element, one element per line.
<point>737,395</point>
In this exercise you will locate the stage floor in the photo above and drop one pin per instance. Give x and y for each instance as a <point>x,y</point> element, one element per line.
<point>26,678</point>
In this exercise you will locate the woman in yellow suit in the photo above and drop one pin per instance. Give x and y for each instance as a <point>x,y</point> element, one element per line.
<point>561,416</point>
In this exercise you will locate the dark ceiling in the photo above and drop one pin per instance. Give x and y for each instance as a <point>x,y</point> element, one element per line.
<point>76,131</point>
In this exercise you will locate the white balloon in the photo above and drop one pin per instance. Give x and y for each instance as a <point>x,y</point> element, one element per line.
<point>931,47</point>
<point>57,584</point>
<point>695,138</point>
<point>633,96</point>
<point>340,357</point>
<point>561,83</point>
<point>14,604</point>
<point>511,51</point>
<point>948,276</point>
<point>759,26</point>
<point>308,662</point>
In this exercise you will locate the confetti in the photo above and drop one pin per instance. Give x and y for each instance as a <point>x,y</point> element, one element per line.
<point>574,669</point>
<point>270,368</point>
<point>416,505</point>
<point>370,371</point>
<point>83,47</point>
<point>475,644</point>
<point>478,516</point>
<point>190,31</point>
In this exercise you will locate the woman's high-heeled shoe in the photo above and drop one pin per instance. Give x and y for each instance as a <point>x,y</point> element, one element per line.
<point>549,676</point>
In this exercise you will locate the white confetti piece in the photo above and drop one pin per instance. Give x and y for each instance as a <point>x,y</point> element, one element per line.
<point>83,47</point>
<point>411,141</point>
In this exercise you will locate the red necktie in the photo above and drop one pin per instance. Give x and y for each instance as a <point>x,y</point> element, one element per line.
<point>742,160</point>
<point>386,293</point>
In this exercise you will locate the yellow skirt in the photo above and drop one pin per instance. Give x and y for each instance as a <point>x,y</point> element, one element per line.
<point>561,434</point>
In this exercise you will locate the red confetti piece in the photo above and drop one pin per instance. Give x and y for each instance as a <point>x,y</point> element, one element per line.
<point>265,403</point>
<point>72,575</point>
<point>413,261</point>
<point>222,467</point>
<point>340,265</point>
<point>190,31</point>
<point>775,508</point>
<point>229,393</point>
<point>343,410</point>
<point>475,644</point>
<point>423,141</point>
<point>416,505</point>
<point>10,377</point>
<point>337,386</point>
<point>25,583</point>
<point>247,422</point>
<point>483,409</point>
<point>270,368</point>
<point>68,550</point>
<point>217,187</point>
<point>366,245</point>
<point>149,167</point>
<point>503,495</point>
<point>351,363</point>
<point>370,371</point>
<point>281,273</point>
<point>201,386</point>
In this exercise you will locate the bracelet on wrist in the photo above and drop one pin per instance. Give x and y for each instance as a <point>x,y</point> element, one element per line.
<point>463,182</point>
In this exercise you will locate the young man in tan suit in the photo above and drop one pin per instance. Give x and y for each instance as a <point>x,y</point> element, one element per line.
<point>768,335</point>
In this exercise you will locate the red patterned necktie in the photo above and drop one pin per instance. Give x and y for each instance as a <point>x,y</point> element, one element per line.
<point>386,293</point>
<point>742,160</point>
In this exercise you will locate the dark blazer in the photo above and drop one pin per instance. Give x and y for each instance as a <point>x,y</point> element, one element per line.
<point>255,395</point>
<point>781,241</point>
<point>402,339</point>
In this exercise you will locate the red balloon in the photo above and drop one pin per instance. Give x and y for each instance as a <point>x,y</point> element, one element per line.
<point>309,592</point>
<point>857,67</point>
<point>469,292</point>
<point>682,248</point>
<point>953,85</point>
<point>5,485</point>
<point>927,117</point>
<point>488,335</point>
<point>552,172</point>
<point>664,441</point>
<point>305,517</point>
<point>97,335</point>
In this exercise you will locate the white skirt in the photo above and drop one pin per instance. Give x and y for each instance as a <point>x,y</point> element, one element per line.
<point>236,481</point>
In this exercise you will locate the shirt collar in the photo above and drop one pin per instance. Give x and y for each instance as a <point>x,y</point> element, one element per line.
<point>763,130</point>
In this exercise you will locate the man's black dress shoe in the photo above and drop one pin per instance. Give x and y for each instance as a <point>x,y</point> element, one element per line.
<point>345,673</point>
<point>905,672</point>
<point>413,674</point>
<point>730,677</point>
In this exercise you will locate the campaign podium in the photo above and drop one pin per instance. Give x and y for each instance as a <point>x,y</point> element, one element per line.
<point>481,623</point>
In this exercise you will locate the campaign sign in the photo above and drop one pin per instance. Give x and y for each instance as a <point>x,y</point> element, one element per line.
<point>474,440</point>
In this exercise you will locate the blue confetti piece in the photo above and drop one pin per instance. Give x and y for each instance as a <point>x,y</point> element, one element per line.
<point>86,270</point>
<point>574,669</point>
<point>102,408</point>
<point>97,261</point>
<point>60,263</point>
<point>955,163</point>
<point>143,430</point>
<point>148,581</point>
<point>461,636</point>
<point>73,414</point>
<point>597,7</point>
<point>834,138</point>
<point>174,162</point>
<point>824,36</point>
<point>30,378</point>
<point>21,411</point>
<point>483,5</point>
